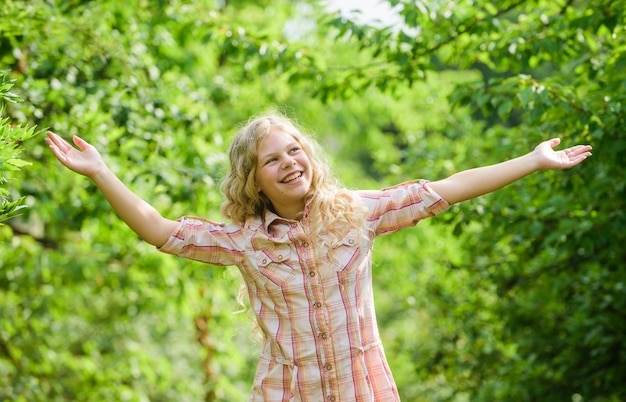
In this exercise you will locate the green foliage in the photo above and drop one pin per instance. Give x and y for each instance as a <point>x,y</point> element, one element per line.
<point>549,246</point>
<point>11,139</point>
<point>518,295</point>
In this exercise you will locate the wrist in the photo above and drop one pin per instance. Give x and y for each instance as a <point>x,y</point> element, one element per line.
<point>100,175</point>
<point>533,160</point>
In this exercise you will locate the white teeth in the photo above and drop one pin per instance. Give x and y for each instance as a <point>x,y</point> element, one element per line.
<point>292,177</point>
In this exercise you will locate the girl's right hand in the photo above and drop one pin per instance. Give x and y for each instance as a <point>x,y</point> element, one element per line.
<point>86,160</point>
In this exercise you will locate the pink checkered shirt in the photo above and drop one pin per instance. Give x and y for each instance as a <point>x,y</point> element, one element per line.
<point>321,341</point>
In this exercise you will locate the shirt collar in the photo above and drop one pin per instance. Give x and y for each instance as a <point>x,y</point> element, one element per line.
<point>271,217</point>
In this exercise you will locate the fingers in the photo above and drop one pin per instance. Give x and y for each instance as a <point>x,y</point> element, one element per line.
<point>575,150</point>
<point>577,154</point>
<point>57,142</point>
<point>53,143</point>
<point>554,142</point>
<point>548,144</point>
<point>82,160</point>
<point>52,138</point>
<point>59,147</point>
<point>54,147</point>
<point>80,143</point>
<point>578,150</point>
<point>575,160</point>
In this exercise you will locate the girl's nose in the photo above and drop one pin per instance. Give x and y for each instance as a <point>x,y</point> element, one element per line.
<point>288,163</point>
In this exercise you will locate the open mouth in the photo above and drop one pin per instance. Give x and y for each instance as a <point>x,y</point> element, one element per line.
<point>292,177</point>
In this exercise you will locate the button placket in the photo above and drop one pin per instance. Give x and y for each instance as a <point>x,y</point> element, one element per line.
<point>314,291</point>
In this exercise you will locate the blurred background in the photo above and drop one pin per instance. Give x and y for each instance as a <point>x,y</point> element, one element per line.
<point>519,295</point>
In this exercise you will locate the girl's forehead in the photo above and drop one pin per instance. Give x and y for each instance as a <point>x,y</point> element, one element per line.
<point>277,135</point>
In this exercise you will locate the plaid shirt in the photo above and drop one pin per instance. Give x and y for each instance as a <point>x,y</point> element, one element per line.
<point>314,304</point>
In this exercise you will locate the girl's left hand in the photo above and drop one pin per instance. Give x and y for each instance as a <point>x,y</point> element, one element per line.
<point>566,158</point>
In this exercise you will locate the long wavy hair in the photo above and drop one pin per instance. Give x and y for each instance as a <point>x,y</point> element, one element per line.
<point>333,208</point>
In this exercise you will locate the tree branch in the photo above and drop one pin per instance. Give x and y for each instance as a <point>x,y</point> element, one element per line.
<point>45,242</point>
<point>462,31</point>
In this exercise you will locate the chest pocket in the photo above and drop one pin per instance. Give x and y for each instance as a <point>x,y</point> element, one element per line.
<point>275,265</point>
<point>344,255</point>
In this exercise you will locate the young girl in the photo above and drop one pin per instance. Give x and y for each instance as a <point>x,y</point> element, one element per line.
<point>303,245</point>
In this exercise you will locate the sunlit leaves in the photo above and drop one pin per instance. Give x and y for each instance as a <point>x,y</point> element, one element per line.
<point>514,296</point>
<point>548,69</point>
<point>11,139</point>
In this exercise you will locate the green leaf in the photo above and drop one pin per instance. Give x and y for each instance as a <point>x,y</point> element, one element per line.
<point>504,109</point>
<point>19,163</point>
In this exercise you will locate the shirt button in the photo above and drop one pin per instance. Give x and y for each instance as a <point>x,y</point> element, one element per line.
<point>280,257</point>
<point>328,367</point>
<point>305,244</point>
<point>332,398</point>
<point>351,241</point>
<point>318,304</point>
<point>264,261</point>
<point>323,335</point>
<point>312,274</point>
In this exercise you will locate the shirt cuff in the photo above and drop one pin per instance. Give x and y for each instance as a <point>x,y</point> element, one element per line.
<point>433,201</point>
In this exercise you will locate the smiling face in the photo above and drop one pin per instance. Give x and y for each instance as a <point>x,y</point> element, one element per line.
<point>283,173</point>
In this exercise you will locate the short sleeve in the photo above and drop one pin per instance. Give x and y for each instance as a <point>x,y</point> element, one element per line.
<point>401,206</point>
<point>206,241</point>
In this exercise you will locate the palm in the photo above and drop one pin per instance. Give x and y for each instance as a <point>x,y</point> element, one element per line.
<point>562,159</point>
<point>86,160</point>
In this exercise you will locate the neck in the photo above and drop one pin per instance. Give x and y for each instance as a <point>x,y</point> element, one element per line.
<point>288,211</point>
<point>294,215</point>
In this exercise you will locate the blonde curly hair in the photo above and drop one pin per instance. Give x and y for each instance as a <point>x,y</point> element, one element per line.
<point>332,207</point>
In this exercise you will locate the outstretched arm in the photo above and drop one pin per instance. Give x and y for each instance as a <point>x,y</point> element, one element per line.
<point>140,216</point>
<point>472,183</point>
